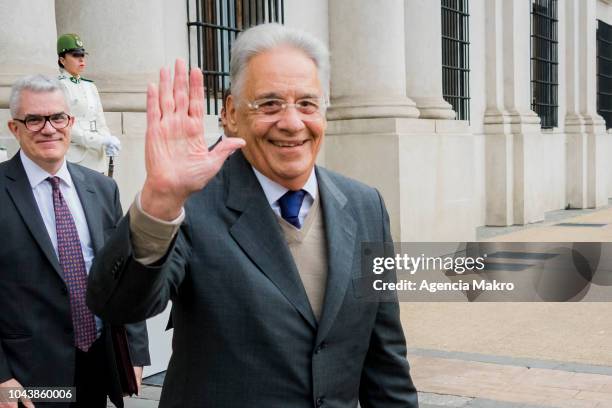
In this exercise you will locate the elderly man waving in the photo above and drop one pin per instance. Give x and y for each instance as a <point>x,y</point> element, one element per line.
<point>258,251</point>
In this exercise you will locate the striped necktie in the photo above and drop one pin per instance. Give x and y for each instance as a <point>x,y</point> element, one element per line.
<point>73,264</point>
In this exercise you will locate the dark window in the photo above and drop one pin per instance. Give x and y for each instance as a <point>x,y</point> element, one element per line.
<point>456,56</point>
<point>544,61</point>
<point>212,28</point>
<point>604,72</point>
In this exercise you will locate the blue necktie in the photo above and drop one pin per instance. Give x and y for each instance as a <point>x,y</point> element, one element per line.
<point>290,204</point>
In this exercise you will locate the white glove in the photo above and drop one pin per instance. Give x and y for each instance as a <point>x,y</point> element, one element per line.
<point>111,145</point>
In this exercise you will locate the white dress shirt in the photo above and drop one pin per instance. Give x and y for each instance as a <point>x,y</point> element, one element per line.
<point>43,194</point>
<point>274,191</point>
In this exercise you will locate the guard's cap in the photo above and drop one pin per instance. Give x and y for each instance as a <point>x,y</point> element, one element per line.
<point>71,43</point>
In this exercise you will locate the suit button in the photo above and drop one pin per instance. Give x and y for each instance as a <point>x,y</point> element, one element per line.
<point>320,401</point>
<point>320,347</point>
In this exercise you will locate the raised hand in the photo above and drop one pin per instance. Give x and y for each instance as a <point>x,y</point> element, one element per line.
<point>177,159</point>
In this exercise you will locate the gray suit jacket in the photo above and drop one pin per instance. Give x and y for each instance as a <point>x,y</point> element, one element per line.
<point>36,333</point>
<point>244,331</point>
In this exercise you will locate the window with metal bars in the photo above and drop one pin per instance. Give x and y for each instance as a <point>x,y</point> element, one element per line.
<point>545,61</point>
<point>604,72</point>
<point>456,56</point>
<point>213,26</point>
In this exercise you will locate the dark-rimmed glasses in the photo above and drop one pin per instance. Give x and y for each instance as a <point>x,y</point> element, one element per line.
<point>36,123</point>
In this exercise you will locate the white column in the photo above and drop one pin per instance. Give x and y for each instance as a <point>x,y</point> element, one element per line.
<point>587,20</point>
<point>368,95</point>
<point>368,77</point>
<point>27,46</point>
<point>424,168</point>
<point>508,61</point>
<point>27,30</point>
<point>511,128</point>
<point>424,58</point>
<point>586,171</point>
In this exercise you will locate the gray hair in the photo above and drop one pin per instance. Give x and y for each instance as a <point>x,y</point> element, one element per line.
<point>33,83</point>
<point>264,37</point>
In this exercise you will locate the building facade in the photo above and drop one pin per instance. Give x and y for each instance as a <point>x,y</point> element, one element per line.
<point>463,113</point>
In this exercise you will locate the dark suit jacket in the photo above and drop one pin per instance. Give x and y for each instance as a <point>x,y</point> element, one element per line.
<point>244,331</point>
<point>36,333</point>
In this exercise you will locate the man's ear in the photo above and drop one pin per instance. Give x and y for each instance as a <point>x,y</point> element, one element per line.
<point>12,125</point>
<point>231,114</point>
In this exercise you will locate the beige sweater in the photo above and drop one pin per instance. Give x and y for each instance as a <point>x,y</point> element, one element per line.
<point>308,246</point>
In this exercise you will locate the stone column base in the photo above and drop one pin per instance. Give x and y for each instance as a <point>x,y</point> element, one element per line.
<point>513,168</point>
<point>434,108</point>
<point>424,169</point>
<point>123,93</point>
<point>587,162</point>
<point>359,108</point>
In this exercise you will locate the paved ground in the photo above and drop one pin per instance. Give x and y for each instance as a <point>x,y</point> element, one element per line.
<point>517,354</point>
<point>509,355</point>
<point>532,231</point>
<point>148,398</point>
<point>509,383</point>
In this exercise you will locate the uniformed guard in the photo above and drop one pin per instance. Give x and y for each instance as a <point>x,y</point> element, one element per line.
<point>91,138</point>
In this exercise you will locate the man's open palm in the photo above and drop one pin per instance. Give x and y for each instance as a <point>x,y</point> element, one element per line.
<point>177,158</point>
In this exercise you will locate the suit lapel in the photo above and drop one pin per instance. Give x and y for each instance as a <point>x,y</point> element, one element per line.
<point>20,191</point>
<point>340,229</point>
<point>259,235</point>
<point>91,206</point>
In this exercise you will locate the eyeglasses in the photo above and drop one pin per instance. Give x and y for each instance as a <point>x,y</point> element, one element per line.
<point>35,123</point>
<point>273,109</point>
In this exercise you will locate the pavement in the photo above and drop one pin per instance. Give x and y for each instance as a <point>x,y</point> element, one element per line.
<point>508,355</point>
<point>517,354</point>
<point>148,398</point>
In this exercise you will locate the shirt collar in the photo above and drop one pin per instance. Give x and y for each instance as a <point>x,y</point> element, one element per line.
<point>274,191</point>
<point>75,79</point>
<point>37,175</point>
